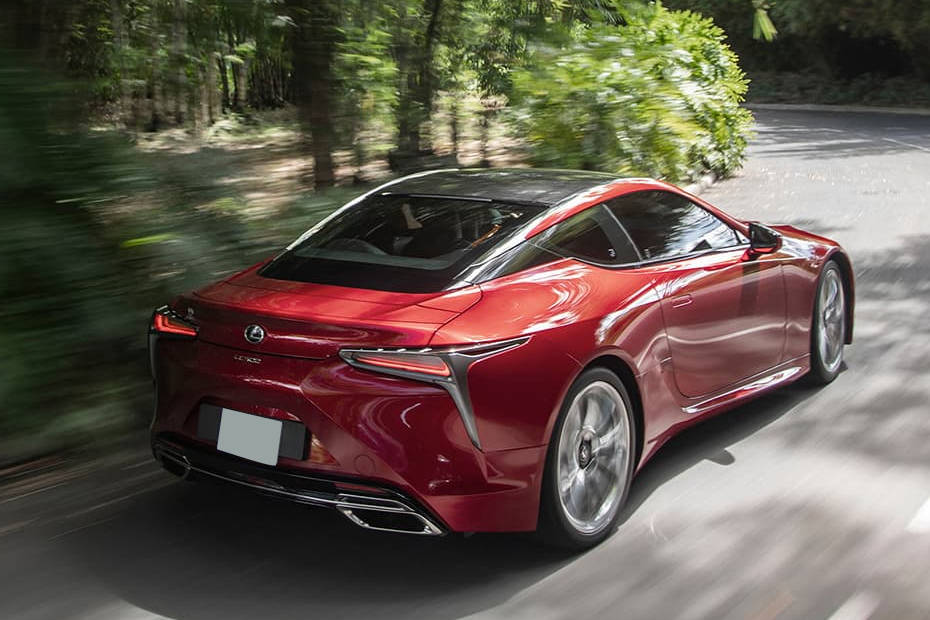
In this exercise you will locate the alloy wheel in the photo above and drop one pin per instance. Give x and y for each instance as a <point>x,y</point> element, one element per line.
<point>593,457</point>
<point>831,320</point>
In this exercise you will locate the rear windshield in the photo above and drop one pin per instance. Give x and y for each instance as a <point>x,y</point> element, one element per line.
<point>414,244</point>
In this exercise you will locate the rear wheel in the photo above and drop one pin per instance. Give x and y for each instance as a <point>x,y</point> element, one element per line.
<point>828,328</point>
<point>589,464</point>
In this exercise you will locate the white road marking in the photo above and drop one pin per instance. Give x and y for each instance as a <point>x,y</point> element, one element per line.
<point>119,499</point>
<point>41,490</point>
<point>859,606</point>
<point>913,146</point>
<point>82,527</point>
<point>23,471</point>
<point>920,524</point>
<point>120,609</point>
<point>140,464</point>
<point>14,527</point>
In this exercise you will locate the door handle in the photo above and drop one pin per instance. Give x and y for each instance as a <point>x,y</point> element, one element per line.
<point>684,300</point>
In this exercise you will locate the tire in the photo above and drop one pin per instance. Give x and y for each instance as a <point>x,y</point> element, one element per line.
<point>600,452</point>
<point>828,326</point>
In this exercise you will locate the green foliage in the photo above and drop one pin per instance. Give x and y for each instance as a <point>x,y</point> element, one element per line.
<point>907,22</point>
<point>658,96</point>
<point>818,36</point>
<point>95,236</point>
<point>64,318</point>
<point>97,233</point>
<point>762,26</point>
<point>367,73</point>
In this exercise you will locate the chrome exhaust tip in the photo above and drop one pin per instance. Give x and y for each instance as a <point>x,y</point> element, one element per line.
<point>386,515</point>
<point>372,512</point>
<point>174,462</point>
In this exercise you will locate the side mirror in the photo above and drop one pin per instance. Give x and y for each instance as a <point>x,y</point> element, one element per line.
<point>763,240</point>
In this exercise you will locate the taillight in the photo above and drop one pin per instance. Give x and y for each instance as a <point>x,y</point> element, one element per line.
<point>446,367</point>
<point>168,323</point>
<point>414,363</point>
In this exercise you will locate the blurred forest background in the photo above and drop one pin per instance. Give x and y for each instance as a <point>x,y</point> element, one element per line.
<point>150,146</point>
<point>872,52</point>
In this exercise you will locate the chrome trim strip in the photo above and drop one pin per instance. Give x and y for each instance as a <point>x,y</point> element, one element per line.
<point>345,503</point>
<point>770,379</point>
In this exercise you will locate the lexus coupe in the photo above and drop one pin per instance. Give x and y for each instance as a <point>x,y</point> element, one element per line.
<point>490,350</point>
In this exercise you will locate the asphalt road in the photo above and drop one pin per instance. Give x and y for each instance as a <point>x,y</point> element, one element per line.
<point>808,504</point>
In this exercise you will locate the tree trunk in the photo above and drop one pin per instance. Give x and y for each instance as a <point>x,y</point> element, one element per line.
<point>116,18</point>
<point>403,111</point>
<point>415,102</point>
<point>195,101</point>
<point>454,123</point>
<point>178,41</point>
<point>314,52</point>
<point>210,88</point>
<point>234,68</point>
<point>235,75</point>
<point>426,77</point>
<point>153,89</point>
<point>243,95</point>
<point>358,147</point>
<point>484,127</point>
<point>224,82</point>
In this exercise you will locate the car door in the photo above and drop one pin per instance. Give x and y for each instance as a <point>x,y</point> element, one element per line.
<point>724,315</point>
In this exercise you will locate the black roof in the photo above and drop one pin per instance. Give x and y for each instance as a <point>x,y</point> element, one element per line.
<point>515,185</point>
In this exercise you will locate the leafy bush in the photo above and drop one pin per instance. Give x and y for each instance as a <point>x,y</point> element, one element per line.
<point>657,96</point>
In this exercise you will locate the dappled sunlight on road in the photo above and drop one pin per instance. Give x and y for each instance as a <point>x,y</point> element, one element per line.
<point>797,505</point>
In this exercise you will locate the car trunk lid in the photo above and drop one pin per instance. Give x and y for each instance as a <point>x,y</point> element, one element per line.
<point>315,321</point>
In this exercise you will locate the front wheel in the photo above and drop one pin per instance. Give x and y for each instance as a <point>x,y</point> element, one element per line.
<point>589,465</point>
<point>828,328</point>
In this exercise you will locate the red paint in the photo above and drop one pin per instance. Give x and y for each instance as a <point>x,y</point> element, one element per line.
<point>699,335</point>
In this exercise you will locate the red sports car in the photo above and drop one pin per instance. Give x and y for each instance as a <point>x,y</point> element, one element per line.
<point>490,350</point>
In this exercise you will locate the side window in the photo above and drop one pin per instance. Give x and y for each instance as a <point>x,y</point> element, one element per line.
<point>665,225</point>
<point>590,235</point>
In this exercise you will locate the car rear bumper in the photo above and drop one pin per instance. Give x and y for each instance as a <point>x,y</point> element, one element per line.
<point>399,439</point>
<point>371,507</point>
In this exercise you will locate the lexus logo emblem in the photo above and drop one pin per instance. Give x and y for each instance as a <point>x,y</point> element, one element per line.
<point>254,333</point>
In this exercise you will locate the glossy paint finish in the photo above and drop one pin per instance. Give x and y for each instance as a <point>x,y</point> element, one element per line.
<point>690,337</point>
<point>718,309</point>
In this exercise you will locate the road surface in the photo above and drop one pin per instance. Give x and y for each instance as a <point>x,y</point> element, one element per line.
<point>807,504</point>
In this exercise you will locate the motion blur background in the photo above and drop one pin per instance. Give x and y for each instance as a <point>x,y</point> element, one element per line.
<point>152,146</point>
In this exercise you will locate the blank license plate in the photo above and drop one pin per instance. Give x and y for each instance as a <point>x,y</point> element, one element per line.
<point>249,436</point>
